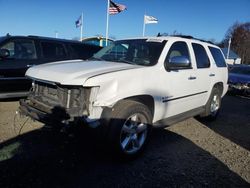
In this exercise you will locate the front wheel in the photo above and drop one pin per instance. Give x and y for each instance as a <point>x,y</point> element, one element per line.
<point>129,128</point>
<point>213,105</point>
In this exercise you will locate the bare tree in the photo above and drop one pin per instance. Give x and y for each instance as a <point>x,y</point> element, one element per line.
<point>240,40</point>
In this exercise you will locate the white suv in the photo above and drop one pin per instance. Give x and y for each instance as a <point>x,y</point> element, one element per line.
<point>130,86</point>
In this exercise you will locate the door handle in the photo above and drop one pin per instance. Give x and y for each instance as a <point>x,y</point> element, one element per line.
<point>211,74</point>
<point>192,78</point>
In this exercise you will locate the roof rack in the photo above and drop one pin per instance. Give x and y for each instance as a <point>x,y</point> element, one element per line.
<point>184,36</point>
<point>34,36</point>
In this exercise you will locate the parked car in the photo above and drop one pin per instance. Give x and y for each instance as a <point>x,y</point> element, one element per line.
<point>18,53</point>
<point>129,87</point>
<point>239,79</point>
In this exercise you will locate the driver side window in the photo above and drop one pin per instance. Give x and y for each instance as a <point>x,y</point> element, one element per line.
<point>21,49</point>
<point>178,49</point>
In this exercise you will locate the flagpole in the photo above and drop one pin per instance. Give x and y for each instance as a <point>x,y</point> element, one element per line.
<point>81,27</point>
<point>143,31</point>
<point>107,24</point>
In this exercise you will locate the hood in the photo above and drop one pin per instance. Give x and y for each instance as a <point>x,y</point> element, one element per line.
<point>239,78</point>
<point>74,72</point>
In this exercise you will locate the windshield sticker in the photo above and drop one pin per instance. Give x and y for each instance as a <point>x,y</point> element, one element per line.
<point>155,40</point>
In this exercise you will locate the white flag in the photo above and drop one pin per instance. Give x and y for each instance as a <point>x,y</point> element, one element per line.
<point>150,19</point>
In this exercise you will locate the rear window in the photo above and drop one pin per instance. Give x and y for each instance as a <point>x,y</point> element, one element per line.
<point>218,57</point>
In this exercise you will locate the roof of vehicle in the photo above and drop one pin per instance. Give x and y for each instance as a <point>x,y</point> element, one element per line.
<point>176,37</point>
<point>41,37</point>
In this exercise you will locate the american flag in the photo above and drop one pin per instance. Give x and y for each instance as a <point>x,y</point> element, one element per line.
<point>116,8</point>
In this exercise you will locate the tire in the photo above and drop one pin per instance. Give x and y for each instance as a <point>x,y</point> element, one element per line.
<point>129,128</point>
<point>213,105</point>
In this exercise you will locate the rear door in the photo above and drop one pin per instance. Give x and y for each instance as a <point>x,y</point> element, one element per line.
<point>83,51</point>
<point>12,69</point>
<point>205,72</point>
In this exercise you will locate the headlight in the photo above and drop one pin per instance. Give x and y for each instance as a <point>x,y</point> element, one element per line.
<point>92,97</point>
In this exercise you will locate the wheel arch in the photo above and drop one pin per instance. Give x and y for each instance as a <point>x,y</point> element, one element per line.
<point>147,100</point>
<point>220,86</point>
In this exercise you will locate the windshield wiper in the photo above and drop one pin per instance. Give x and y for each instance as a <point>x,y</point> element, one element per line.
<point>96,58</point>
<point>124,61</point>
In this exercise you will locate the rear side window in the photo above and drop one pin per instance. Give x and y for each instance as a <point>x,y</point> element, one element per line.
<point>218,57</point>
<point>201,57</point>
<point>53,50</point>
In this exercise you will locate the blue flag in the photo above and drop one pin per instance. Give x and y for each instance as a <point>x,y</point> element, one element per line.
<point>78,22</point>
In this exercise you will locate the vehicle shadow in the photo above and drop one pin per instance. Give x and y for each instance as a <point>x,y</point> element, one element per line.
<point>233,121</point>
<point>45,158</point>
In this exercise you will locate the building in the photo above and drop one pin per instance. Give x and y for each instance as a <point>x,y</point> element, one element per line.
<point>233,58</point>
<point>98,41</point>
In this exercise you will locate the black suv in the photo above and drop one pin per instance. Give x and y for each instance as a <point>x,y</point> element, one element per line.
<point>18,53</point>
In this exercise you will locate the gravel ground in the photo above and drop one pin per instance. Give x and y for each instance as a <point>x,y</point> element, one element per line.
<point>192,153</point>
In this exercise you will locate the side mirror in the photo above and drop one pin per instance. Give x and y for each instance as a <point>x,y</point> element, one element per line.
<point>178,62</point>
<point>4,53</point>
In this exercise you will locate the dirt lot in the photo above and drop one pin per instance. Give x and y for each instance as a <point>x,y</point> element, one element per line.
<point>188,154</point>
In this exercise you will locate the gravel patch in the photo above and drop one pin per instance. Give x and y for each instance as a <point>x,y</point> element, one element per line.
<point>192,153</point>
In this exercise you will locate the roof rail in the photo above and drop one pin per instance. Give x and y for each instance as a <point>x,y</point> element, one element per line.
<point>184,36</point>
<point>33,36</point>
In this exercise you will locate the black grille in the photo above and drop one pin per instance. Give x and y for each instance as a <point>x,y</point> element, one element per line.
<point>74,99</point>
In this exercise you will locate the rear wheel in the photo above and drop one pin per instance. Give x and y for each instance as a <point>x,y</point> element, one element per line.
<point>129,128</point>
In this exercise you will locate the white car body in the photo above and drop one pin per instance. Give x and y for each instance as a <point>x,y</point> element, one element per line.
<point>173,92</point>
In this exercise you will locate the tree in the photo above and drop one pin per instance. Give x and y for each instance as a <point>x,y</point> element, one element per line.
<point>240,40</point>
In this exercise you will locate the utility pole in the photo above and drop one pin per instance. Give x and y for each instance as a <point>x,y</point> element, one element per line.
<point>228,49</point>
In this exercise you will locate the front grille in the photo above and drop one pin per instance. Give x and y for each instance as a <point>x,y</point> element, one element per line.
<point>73,99</point>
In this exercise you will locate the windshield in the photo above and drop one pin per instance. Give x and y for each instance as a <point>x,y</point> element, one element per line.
<point>138,51</point>
<point>241,70</point>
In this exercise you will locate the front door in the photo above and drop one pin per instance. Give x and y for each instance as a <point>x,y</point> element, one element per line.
<point>181,92</point>
<point>12,69</point>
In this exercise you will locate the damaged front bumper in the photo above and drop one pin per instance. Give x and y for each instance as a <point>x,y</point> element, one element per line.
<point>240,87</point>
<point>53,117</point>
<point>55,105</point>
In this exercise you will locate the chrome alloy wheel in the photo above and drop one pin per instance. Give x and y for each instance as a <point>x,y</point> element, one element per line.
<point>215,104</point>
<point>133,133</point>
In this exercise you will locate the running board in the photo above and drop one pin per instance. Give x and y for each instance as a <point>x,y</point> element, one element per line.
<point>180,117</point>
